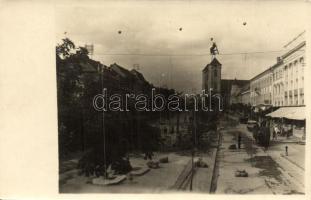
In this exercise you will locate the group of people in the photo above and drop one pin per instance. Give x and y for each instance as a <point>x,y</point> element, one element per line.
<point>262,132</point>
<point>281,130</point>
<point>276,132</point>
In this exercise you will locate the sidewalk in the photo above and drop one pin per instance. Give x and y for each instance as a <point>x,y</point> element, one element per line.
<point>269,172</point>
<point>292,166</point>
<point>296,151</point>
<point>291,139</point>
<point>232,160</point>
<point>295,147</point>
<point>293,159</point>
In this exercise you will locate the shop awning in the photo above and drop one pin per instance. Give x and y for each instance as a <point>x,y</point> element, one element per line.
<point>296,113</point>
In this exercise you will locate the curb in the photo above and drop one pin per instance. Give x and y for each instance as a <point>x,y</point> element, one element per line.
<point>183,177</point>
<point>213,182</point>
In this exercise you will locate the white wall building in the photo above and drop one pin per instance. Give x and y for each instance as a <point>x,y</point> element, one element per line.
<point>293,77</point>
<point>283,83</point>
<point>261,88</point>
<point>288,76</point>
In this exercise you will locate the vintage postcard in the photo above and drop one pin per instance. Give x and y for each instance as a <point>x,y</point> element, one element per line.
<point>182,97</point>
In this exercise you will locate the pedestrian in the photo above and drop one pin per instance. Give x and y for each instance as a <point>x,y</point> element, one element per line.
<point>274,135</point>
<point>255,132</point>
<point>239,141</point>
<point>276,131</point>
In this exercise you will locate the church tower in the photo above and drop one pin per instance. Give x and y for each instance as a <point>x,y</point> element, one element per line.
<point>211,76</point>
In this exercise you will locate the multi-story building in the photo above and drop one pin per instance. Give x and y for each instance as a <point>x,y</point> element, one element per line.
<point>288,75</point>
<point>278,83</point>
<point>236,88</point>
<point>283,83</point>
<point>244,95</point>
<point>292,77</point>
<point>230,90</point>
<point>261,88</point>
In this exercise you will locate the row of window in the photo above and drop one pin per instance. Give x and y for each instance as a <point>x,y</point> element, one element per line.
<point>291,98</point>
<point>263,82</point>
<point>278,74</point>
<point>290,101</point>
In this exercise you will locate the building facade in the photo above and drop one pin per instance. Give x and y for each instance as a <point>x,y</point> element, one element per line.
<point>211,77</point>
<point>278,83</point>
<point>283,83</point>
<point>230,90</point>
<point>244,95</point>
<point>291,75</point>
<point>238,86</point>
<point>261,88</point>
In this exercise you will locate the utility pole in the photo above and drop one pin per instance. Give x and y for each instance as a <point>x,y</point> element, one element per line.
<point>177,128</point>
<point>103,121</point>
<point>193,147</point>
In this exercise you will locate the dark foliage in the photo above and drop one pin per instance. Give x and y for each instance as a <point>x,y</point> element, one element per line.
<point>106,138</point>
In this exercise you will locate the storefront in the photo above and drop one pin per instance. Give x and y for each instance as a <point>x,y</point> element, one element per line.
<point>290,120</point>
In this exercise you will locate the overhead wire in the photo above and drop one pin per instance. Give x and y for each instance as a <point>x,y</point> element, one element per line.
<point>198,54</point>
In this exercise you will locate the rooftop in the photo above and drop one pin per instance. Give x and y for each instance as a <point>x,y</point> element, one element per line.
<point>214,62</point>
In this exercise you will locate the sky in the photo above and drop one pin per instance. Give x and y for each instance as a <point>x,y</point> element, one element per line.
<point>150,36</point>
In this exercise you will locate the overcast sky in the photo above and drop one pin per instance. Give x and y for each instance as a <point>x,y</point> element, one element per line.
<point>152,28</point>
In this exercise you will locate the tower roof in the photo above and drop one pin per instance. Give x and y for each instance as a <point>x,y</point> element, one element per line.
<point>215,62</point>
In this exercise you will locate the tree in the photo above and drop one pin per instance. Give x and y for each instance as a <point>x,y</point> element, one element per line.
<point>69,94</point>
<point>64,50</point>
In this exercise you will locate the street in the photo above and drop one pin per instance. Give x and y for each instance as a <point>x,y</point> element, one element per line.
<point>268,171</point>
<point>198,98</point>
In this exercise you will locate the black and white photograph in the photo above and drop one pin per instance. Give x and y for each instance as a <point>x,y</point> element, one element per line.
<point>181,96</point>
<point>150,97</point>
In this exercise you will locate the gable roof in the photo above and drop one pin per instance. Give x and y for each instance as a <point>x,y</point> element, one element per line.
<point>120,70</point>
<point>138,75</point>
<point>215,62</point>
